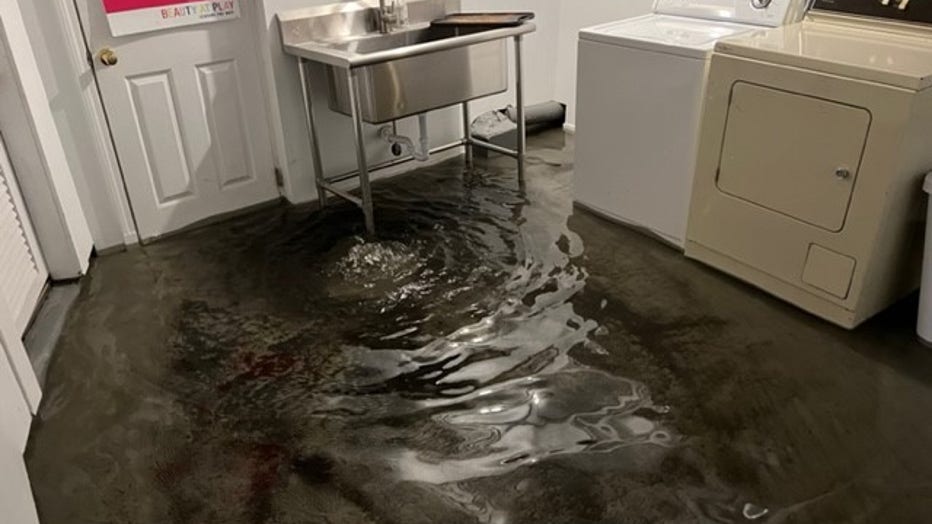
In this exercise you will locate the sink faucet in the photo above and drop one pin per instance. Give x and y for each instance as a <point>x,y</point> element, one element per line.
<point>393,14</point>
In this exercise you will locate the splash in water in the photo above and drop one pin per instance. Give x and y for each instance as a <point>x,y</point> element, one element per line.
<point>505,386</point>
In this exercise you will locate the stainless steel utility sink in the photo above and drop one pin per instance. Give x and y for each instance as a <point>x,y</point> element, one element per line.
<point>402,73</point>
<point>412,85</point>
<point>377,76</point>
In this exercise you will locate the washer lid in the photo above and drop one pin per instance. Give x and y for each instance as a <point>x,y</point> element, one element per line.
<point>896,59</point>
<point>676,35</point>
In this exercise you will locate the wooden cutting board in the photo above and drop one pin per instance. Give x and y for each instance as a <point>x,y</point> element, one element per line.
<point>485,19</point>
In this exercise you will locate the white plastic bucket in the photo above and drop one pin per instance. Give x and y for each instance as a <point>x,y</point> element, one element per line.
<point>925,299</point>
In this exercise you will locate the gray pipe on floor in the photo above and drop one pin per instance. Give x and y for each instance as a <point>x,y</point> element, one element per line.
<point>500,127</point>
<point>538,114</point>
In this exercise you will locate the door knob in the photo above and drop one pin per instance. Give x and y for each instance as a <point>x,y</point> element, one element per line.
<point>108,57</point>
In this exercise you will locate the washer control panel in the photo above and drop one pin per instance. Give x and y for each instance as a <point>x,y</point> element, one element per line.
<point>917,11</point>
<point>769,13</point>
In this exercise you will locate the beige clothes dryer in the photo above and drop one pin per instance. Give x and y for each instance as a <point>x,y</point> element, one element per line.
<point>815,138</point>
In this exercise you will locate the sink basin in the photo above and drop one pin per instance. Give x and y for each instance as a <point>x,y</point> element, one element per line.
<point>406,72</point>
<point>368,44</point>
<point>409,86</point>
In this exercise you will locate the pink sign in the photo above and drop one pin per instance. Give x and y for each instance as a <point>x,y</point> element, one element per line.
<point>127,17</point>
<point>115,6</point>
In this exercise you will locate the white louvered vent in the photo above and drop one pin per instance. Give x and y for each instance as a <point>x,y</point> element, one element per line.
<point>18,267</point>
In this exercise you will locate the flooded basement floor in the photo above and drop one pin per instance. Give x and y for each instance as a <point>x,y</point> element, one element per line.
<point>494,357</point>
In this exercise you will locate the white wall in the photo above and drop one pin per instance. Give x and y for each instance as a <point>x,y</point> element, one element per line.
<point>575,15</point>
<point>550,53</point>
<point>540,48</point>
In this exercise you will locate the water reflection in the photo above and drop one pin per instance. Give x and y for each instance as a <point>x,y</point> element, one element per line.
<point>528,420</point>
<point>505,385</point>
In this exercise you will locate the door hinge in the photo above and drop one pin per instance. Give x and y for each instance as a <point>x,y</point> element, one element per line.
<point>279,178</point>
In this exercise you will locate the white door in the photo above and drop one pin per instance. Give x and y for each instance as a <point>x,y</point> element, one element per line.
<point>15,416</point>
<point>15,494</point>
<point>16,501</point>
<point>22,279</point>
<point>188,118</point>
<point>22,270</point>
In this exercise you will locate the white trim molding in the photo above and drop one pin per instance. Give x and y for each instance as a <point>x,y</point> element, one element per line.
<point>61,53</point>
<point>38,156</point>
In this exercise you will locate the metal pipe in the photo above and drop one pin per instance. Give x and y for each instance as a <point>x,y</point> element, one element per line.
<point>494,147</point>
<point>344,59</point>
<point>345,176</point>
<point>423,153</point>
<point>311,124</point>
<point>392,13</point>
<point>365,187</point>
<point>522,122</point>
<point>343,194</point>
<point>420,151</point>
<point>467,133</point>
<point>392,163</point>
<point>383,10</point>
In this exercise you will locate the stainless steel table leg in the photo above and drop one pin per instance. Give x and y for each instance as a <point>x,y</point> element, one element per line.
<point>364,187</point>
<point>311,123</point>
<point>467,133</point>
<point>522,121</point>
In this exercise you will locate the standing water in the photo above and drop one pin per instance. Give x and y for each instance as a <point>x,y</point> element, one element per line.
<point>282,368</point>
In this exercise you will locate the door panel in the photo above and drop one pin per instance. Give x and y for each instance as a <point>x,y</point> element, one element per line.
<point>227,121</point>
<point>189,121</point>
<point>14,353</point>
<point>159,131</point>
<point>805,169</point>
<point>16,498</point>
<point>15,416</point>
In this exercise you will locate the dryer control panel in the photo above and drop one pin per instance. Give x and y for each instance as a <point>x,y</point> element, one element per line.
<point>916,11</point>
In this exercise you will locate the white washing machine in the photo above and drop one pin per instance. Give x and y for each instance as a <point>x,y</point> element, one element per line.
<point>639,100</point>
<point>814,144</point>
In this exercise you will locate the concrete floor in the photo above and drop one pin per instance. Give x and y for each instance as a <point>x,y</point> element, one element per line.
<point>494,357</point>
<point>41,339</point>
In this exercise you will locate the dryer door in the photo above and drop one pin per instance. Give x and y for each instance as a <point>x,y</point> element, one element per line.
<point>804,168</point>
